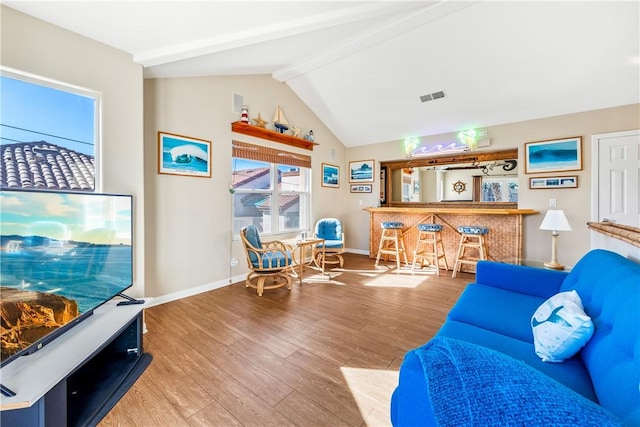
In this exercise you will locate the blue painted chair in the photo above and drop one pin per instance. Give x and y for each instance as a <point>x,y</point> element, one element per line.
<point>265,260</point>
<point>471,237</point>
<point>329,229</point>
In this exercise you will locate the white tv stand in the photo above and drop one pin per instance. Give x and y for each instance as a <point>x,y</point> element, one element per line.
<point>78,377</point>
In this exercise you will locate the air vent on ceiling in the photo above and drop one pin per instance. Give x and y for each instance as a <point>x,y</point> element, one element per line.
<point>432,96</point>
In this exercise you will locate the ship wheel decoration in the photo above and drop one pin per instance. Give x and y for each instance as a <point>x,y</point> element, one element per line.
<point>459,186</point>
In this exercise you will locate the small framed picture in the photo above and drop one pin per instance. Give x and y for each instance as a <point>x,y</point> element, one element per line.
<point>553,156</point>
<point>330,175</point>
<point>183,155</point>
<point>553,182</point>
<point>361,188</point>
<point>361,171</point>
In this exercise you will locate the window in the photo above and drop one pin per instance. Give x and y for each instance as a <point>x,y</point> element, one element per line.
<point>271,189</point>
<point>49,134</point>
<point>499,189</point>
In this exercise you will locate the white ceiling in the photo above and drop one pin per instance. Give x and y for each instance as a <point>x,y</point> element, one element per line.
<point>361,66</point>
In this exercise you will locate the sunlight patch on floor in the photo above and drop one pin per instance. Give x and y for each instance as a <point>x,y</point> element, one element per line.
<point>400,279</point>
<point>371,390</point>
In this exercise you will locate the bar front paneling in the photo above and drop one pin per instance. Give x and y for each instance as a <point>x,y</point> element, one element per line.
<point>504,241</point>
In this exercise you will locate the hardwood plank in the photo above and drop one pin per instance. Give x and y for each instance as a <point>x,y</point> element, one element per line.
<point>326,353</point>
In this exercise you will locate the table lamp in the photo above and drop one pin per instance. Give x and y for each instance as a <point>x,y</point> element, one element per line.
<point>555,220</point>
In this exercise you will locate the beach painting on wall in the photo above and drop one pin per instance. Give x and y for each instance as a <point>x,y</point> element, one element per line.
<point>330,175</point>
<point>361,171</point>
<point>183,155</point>
<point>553,156</point>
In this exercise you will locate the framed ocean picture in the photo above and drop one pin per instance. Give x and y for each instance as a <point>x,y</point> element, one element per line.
<point>183,155</point>
<point>330,175</point>
<point>361,171</point>
<point>553,155</point>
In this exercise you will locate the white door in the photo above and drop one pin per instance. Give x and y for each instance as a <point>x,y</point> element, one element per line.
<point>615,185</point>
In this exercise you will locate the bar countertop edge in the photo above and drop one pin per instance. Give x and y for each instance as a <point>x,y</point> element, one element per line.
<point>458,211</point>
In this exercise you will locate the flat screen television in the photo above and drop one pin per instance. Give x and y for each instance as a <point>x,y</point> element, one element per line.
<point>62,255</point>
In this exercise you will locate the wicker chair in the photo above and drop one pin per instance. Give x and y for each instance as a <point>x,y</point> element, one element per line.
<point>265,260</point>
<point>329,229</point>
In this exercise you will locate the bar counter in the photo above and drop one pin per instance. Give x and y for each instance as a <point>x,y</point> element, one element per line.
<point>504,241</point>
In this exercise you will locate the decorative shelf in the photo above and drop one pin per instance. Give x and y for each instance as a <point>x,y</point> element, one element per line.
<point>271,135</point>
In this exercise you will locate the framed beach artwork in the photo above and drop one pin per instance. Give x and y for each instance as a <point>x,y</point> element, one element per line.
<point>553,182</point>
<point>330,175</point>
<point>183,155</point>
<point>361,188</point>
<point>361,171</point>
<point>554,155</point>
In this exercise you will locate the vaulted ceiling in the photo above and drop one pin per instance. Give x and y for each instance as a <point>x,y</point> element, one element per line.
<point>362,66</point>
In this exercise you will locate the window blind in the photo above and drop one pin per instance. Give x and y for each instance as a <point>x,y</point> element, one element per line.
<point>245,150</point>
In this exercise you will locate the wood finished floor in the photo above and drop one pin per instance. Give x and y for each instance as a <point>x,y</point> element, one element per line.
<point>325,353</point>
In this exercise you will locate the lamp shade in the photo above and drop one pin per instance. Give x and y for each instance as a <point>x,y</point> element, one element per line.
<point>555,220</point>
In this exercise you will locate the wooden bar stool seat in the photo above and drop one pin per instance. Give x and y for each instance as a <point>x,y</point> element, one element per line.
<point>392,242</point>
<point>471,237</point>
<point>429,247</point>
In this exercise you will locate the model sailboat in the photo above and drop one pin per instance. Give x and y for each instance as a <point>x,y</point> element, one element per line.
<point>280,121</point>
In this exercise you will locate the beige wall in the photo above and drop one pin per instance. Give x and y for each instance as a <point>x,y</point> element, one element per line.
<point>182,224</point>
<point>34,46</point>
<point>575,202</point>
<point>188,219</point>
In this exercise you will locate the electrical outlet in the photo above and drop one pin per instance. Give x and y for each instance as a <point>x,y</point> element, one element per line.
<point>552,203</point>
<point>483,133</point>
<point>234,262</point>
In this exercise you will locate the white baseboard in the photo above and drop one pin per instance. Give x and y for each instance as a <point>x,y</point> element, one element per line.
<point>216,285</point>
<point>195,291</point>
<point>357,251</point>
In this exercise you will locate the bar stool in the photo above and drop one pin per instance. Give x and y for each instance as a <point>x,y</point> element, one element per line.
<point>392,242</point>
<point>471,236</point>
<point>429,234</point>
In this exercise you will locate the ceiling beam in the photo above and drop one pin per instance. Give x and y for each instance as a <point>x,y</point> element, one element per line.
<point>269,32</point>
<point>414,19</point>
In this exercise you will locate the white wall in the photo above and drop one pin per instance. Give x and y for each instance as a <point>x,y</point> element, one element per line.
<point>34,46</point>
<point>189,219</point>
<point>575,202</point>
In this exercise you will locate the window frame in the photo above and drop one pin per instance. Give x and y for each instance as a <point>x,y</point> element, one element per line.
<point>76,90</point>
<point>266,155</point>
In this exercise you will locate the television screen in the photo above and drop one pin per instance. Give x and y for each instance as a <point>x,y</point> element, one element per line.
<point>62,255</point>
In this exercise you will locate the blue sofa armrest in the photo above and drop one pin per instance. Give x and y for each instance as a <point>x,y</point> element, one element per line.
<point>533,281</point>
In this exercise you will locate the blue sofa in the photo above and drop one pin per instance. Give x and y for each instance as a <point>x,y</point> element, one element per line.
<point>481,367</point>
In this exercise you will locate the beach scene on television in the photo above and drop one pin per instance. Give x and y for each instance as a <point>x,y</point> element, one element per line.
<point>61,255</point>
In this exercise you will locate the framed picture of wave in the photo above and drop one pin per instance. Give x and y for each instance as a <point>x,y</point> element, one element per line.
<point>183,155</point>
<point>553,156</point>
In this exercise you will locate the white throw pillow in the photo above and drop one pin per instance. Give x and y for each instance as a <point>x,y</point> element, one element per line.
<point>560,327</point>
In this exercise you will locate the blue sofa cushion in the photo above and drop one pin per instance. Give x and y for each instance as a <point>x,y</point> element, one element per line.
<point>496,309</point>
<point>572,373</point>
<point>609,287</point>
<point>470,385</point>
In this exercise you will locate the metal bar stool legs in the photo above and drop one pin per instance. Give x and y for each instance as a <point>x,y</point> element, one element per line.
<point>392,242</point>
<point>433,250</point>
<point>471,237</point>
